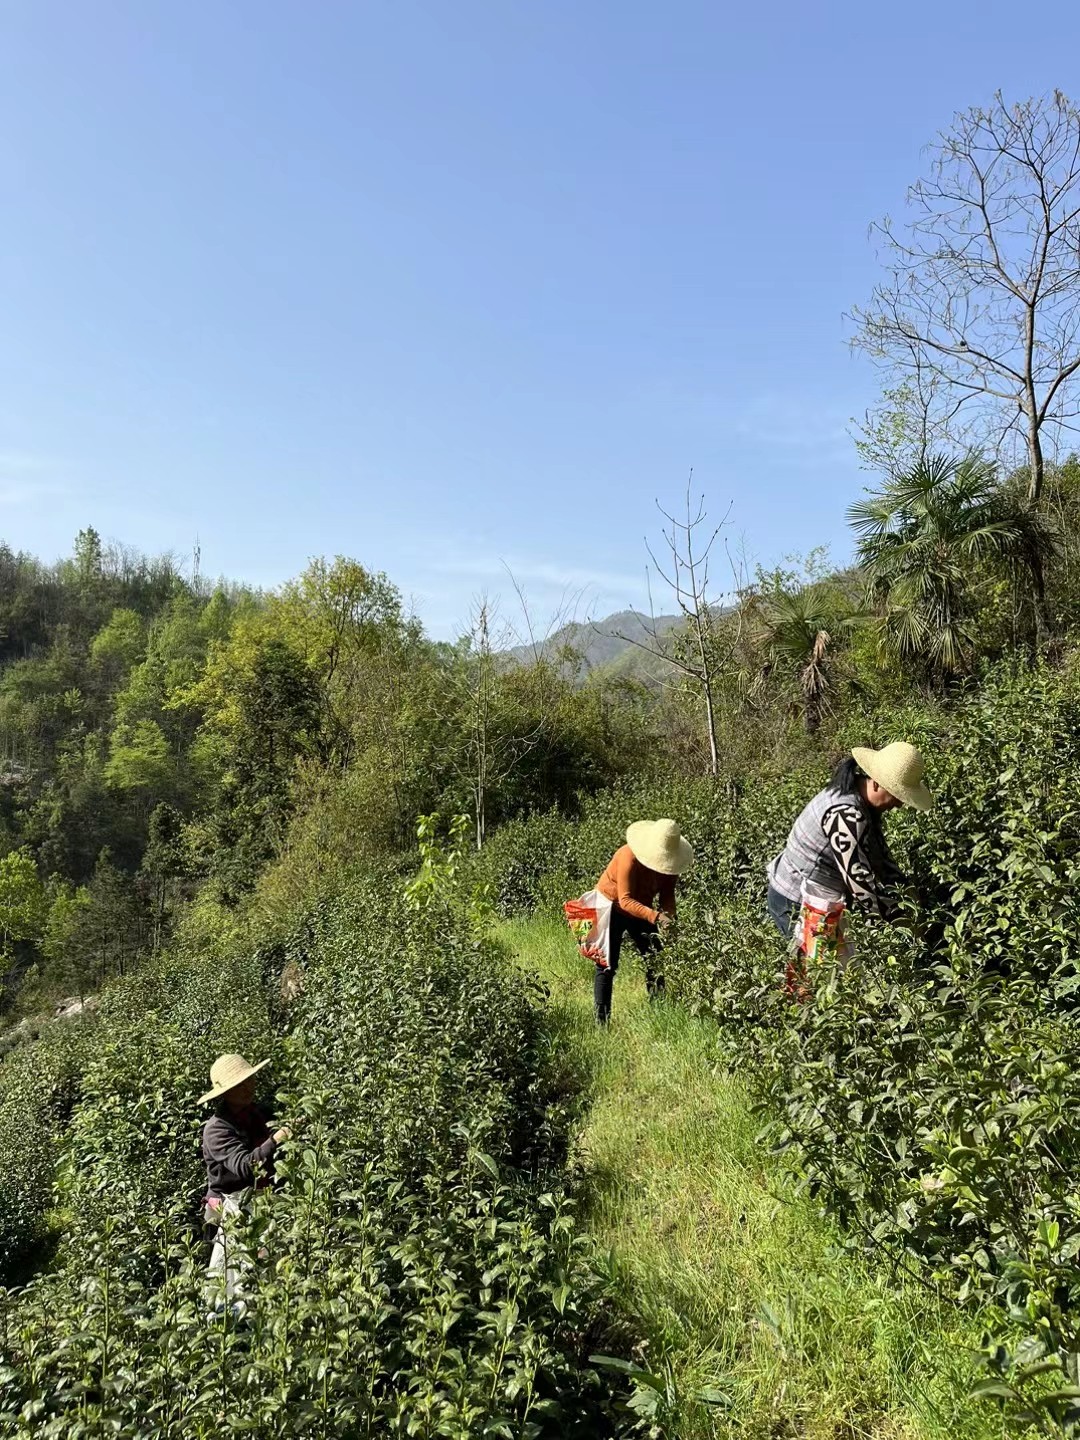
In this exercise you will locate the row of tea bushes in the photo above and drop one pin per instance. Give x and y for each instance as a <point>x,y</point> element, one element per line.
<point>153,1034</point>
<point>931,1094</point>
<point>424,1274</point>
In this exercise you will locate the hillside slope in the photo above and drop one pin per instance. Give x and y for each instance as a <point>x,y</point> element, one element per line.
<point>612,645</point>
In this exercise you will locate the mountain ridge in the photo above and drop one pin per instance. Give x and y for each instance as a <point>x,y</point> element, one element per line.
<point>611,644</point>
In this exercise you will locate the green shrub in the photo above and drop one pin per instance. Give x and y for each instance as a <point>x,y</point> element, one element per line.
<point>77,1105</point>
<point>932,1093</point>
<point>548,858</point>
<point>38,1087</point>
<point>425,1275</point>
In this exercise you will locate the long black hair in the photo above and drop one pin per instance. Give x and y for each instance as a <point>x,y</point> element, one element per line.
<point>846,776</point>
<point>846,779</point>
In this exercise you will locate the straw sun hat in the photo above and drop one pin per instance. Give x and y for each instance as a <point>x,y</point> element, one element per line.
<point>226,1073</point>
<point>658,845</point>
<point>899,768</point>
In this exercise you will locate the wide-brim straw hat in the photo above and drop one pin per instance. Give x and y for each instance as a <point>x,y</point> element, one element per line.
<point>899,768</point>
<point>659,845</point>
<point>226,1073</point>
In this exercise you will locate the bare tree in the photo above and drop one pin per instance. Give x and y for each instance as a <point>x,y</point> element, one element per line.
<point>540,644</point>
<point>492,749</point>
<point>981,307</point>
<point>482,744</point>
<point>689,648</point>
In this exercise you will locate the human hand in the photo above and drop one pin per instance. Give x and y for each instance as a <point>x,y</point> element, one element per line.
<point>663,920</point>
<point>280,1136</point>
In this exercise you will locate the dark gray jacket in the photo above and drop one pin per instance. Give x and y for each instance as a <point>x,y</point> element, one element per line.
<point>238,1150</point>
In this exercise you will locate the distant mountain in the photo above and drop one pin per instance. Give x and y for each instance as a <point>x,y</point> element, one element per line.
<point>609,644</point>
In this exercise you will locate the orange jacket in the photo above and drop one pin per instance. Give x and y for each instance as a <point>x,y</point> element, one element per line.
<point>633,887</point>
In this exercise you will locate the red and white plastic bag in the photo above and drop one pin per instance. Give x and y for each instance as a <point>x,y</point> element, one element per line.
<point>823,927</point>
<point>589,918</point>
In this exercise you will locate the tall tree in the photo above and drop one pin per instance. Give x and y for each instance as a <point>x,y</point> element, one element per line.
<point>494,738</point>
<point>68,961</point>
<point>116,648</point>
<point>340,617</point>
<point>163,861</point>
<point>112,930</point>
<point>23,901</point>
<point>803,631</point>
<point>980,309</point>
<point>89,555</point>
<point>141,764</point>
<point>269,720</point>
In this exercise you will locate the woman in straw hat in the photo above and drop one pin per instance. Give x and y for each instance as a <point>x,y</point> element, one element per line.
<point>836,854</point>
<point>238,1147</point>
<point>640,883</point>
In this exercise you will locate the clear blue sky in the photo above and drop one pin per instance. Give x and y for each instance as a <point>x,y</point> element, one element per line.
<point>448,284</point>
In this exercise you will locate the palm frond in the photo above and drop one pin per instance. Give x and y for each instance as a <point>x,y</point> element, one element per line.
<point>929,539</point>
<point>871,518</point>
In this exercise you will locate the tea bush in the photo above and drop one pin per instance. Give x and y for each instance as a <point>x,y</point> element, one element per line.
<point>424,1275</point>
<point>73,1103</point>
<point>38,1083</point>
<point>548,858</point>
<point>932,1092</point>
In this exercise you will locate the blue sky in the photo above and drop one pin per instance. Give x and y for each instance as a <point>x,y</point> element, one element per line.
<point>449,286</point>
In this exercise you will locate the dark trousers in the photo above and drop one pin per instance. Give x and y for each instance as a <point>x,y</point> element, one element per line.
<point>783,912</point>
<point>646,937</point>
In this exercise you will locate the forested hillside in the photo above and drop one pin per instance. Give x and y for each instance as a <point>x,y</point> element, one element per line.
<point>290,825</point>
<point>158,738</point>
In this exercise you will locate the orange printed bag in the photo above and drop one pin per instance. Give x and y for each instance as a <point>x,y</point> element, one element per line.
<point>828,925</point>
<point>822,921</point>
<point>589,918</point>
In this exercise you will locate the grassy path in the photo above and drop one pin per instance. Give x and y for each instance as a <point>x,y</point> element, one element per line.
<point>735,1280</point>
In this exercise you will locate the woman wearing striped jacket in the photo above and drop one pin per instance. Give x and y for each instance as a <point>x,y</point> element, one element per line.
<point>836,854</point>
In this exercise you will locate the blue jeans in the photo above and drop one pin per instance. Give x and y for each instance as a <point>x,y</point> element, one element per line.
<point>783,912</point>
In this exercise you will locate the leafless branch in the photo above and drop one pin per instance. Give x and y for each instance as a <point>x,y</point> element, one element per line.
<point>690,648</point>
<point>982,292</point>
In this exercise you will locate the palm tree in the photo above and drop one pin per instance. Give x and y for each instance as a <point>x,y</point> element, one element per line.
<point>926,540</point>
<point>803,630</point>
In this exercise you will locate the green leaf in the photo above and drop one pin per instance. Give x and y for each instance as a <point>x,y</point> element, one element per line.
<point>994,1389</point>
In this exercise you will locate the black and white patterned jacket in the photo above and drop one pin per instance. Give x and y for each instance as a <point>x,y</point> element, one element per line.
<point>837,849</point>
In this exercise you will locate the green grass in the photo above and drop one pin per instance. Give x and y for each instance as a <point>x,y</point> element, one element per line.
<point>734,1279</point>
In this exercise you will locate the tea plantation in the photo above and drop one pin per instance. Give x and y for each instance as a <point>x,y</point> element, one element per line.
<point>434,1258</point>
<point>424,1275</point>
<point>928,1097</point>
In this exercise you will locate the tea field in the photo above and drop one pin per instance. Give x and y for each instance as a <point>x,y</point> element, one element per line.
<point>426,1273</point>
<point>753,1316</point>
